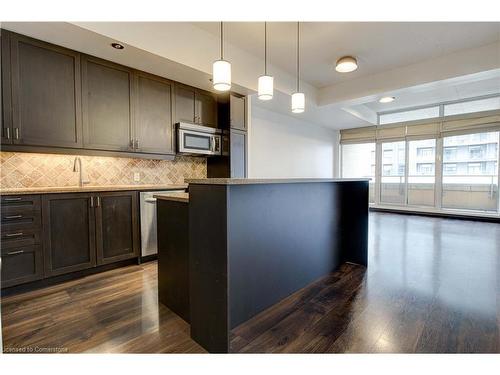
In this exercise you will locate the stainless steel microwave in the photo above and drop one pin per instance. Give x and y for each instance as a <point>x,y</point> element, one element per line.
<point>198,140</point>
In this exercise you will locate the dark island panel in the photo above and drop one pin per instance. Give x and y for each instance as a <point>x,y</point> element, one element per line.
<point>354,200</point>
<point>208,266</point>
<point>251,245</point>
<point>281,238</point>
<point>173,256</point>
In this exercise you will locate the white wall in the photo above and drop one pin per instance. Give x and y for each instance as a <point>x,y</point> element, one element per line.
<point>280,146</point>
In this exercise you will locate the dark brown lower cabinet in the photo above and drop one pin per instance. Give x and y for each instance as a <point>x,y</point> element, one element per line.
<point>116,226</point>
<point>73,232</point>
<point>21,265</point>
<point>68,232</point>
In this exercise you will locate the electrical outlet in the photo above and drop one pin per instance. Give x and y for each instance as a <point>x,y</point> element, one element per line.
<point>137,176</point>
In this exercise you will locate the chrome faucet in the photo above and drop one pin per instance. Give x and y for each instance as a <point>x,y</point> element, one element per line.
<point>77,167</point>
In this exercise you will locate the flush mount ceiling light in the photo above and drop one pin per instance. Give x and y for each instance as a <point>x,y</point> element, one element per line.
<point>386,99</point>
<point>117,46</point>
<point>298,98</point>
<point>346,64</point>
<point>221,69</point>
<point>266,82</point>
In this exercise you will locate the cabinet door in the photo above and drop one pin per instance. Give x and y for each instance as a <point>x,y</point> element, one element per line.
<point>106,98</point>
<point>153,125</point>
<point>5,113</point>
<point>68,232</point>
<point>21,265</point>
<point>238,154</point>
<point>46,109</point>
<point>237,112</point>
<point>184,104</point>
<point>206,108</point>
<point>116,225</point>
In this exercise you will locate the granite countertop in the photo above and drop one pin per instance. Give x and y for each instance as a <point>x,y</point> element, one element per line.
<point>77,189</point>
<point>178,197</point>
<point>252,181</point>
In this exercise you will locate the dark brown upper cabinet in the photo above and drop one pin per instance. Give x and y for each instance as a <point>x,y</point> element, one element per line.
<point>68,232</point>
<point>238,154</point>
<point>3,58</point>
<point>195,106</point>
<point>185,104</point>
<point>206,109</point>
<point>154,131</point>
<point>237,112</point>
<point>107,95</point>
<point>45,94</point>
<point>116,226</point>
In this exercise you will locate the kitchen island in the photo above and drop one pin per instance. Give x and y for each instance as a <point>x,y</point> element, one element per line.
<point>253,242</point>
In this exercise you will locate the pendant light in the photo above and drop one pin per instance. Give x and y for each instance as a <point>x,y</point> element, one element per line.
<point>298,98</point>
<point>266,83</point>
<point>221,69</point>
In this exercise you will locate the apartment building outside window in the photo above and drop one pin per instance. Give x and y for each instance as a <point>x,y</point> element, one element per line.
<point>470,176</point>
<point>455,168</point>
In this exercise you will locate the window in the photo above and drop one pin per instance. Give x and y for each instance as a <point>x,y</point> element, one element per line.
<point>414,114</point>
<point>472,182</point>
<point>387,169</point>
<point>476,152</point>
<point>358,161</point>
<point>449,168</point>
<point>425,152</point>
<point>387,156</point>
<point>474,168</point>
<point>479,105</point>
<point>425,169</point>
<point>393,173</point>
<point>421,172</point>
<point>450,153</point>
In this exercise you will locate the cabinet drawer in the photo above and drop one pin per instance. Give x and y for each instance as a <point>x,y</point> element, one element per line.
<point>19,238</point>
<point>12,221</point>
<point>21,265</point>
<point>20,203</point>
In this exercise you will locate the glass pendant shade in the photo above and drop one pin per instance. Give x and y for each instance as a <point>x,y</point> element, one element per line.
<point>265,90</point>
<point>298,102</point>
<point>221,75</point>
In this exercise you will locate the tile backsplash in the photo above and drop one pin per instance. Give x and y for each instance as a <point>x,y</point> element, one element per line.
<point>25,170</point>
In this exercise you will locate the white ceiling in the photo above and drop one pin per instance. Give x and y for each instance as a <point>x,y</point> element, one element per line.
<point>419,63</point>
<point>378,46</point>
<point>474,86</point>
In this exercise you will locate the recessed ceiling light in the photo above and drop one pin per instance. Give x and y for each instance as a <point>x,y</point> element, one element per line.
<point>386,99</point>
<point>117,46</point>
<point>346,64</point>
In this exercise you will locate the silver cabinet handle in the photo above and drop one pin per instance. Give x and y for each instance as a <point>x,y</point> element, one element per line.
<point>13,217</point>
<point>16,133</point>
<point>12,199</point>
<point>16,252</point>
<point>98,201</point>
<point>9,235</point>
<point>150,200</point>
<point>7,133</point>
<point>136,145</point>
<point>92,201</point>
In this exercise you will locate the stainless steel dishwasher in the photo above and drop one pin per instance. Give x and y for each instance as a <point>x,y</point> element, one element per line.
<point>148,221</point>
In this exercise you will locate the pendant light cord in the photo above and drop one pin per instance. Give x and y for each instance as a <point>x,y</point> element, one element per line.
<point>265,48</point>
<point>221,42</point>
<point>298,63</point>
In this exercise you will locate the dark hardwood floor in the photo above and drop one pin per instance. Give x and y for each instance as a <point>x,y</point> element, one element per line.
<point>112,312</point>
<point>432,286</point>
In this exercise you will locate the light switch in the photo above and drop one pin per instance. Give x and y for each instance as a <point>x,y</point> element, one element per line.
<point>137,176</point>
